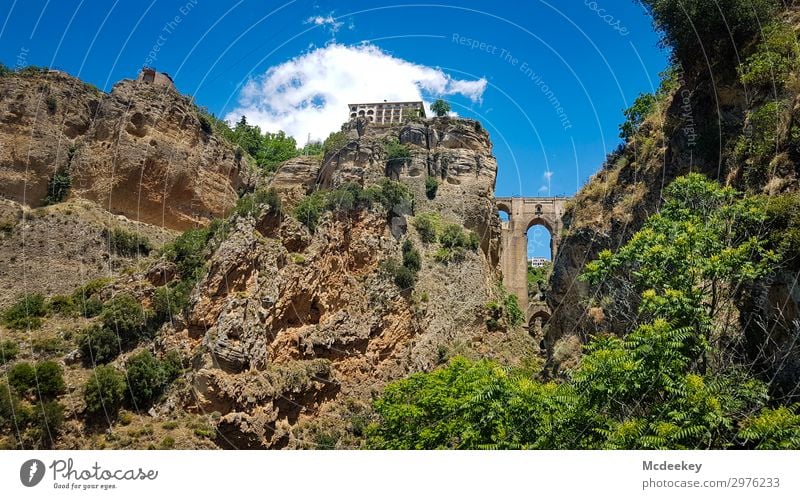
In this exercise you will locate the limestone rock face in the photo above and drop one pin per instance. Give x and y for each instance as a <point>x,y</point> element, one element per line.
<point>293,333</point>
<point>139,151</point>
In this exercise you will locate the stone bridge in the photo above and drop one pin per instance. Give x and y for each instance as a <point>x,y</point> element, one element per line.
<point>524,213</point>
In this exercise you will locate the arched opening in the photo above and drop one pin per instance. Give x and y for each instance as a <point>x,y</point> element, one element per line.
<point>540,258</point>
<point>504,212</point>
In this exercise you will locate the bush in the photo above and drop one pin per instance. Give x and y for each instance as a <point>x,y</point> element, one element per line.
<point>251,204</point>
<point>51,103</point>
<point>99,345</point>
<point>309,210</point>
<point>22,377</point>
<point>773,60</point>
<point>125,243</point>
<point>8,351</point>
<point>49,378</point>
<point>411,257</point>
<point>188,251</point>
<point>427,225</point>
<point>335,142</point>
<point>395,196</point>
<point>636,114</point>
<point>48,422</point>
<point>104,392</point>
<point>148,377</point>
<point>395,151</point>
<point>170,300</point>
<point>26,313</point>
<point>717,28</point>
<point>61,305</point>
<point>440,108</point>
<point>431,187</point>
<point>124,315</point>
<point>58,186</point>
<point>404,277</point>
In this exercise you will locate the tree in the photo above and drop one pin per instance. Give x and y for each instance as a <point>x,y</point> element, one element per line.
<point>636,114</point>
<point>709,31</point>
<point>104,392</point>
<point>440,108</point>
<point>148,377</point>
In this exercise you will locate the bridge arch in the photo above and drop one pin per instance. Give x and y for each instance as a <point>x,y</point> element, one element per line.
<point>524,213</point>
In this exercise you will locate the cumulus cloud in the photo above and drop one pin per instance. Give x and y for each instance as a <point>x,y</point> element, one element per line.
<point>310,93</point>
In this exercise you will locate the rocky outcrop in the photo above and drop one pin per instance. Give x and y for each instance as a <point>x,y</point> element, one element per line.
<point>292,333</point>
<point>140,151</point>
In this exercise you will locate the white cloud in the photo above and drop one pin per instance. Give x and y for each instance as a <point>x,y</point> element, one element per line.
<point>548,176</point>
<point>329,21</point>
<point>309,94</point>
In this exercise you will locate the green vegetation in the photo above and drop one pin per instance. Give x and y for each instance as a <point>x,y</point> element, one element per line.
<point>44,379</point>
<point>404,275</point>
<point>104,393</point>
<point>427,225</point>
<point>431,187</point>
<point>773,60</point>
<point>665,383</point>
<point>440,108</point>
<point>335,142</point>
<point>148,377</point>
<point>715,28</point>
<point>99,345</point>
<point>394,196</point>
<point>397,152</point>
<point>8,351</point>
<point>26,313</point>
<point>58,186</point>
<point>455,241</point>
<point>26,424</point>
<point>268,149</point>
<point>189,251</point>
<point>123,315</point>
<point>641,108</point>
<point>171,300</point>
<point>124,243</point>
<point>537,278</point>
<point>51,103</point>
<point>506,312</point>
<point>252,204</point>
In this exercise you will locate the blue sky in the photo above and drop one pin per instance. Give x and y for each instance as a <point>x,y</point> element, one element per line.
<point>549,79</point>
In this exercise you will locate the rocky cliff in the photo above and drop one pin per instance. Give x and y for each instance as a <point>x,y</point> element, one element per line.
<point>702,122</point>
<point>292,332</point>
<point>140,151</point>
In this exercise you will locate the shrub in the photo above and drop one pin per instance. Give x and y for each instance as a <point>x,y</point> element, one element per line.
<point>8,351</point>
<point>431,187</point>
<point>104,392</point>
<point>251,204</point>
<point>395,151</point>
<point>61,305</point>
<point>22,377</point>
<point>395,196</point>
<point>99,345</point>
<point>309,210</point>
<point>52,104</point>
<point>148,377</point>
<point>774,59</point>
<point>124,315</point>
<point>453,236</point>
<point>170,300</point>
<point>427,225</point>
<point>404,277</point>
<point>48,345</point>
<point>58,186</point>
<point>26,313</point>
<point>636,114</point>
<point>411,257</point>
<point>49,378</point>
<point>513,312</point>
<point>335,142</point>
<point>125,243</point>
<point>188,251</point>
<point>48,423</point>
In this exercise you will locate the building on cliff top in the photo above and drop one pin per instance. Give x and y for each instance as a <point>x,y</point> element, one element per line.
<point>151,76</point>
<point>385,113</point>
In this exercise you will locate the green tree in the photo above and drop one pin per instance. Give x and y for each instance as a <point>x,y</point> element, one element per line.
<point>126,317</point>
<point>709,31</point>
<point>147,377</point>
<point>104,393</point>
<point>99,345</point>
<point>636,114</point>
<point>440,108</point>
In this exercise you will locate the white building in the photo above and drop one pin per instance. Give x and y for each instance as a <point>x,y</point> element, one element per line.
<point>387,112</point>
<point>538,262</point>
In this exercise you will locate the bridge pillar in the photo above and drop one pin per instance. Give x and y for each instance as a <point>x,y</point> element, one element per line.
<point>523,213</point>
